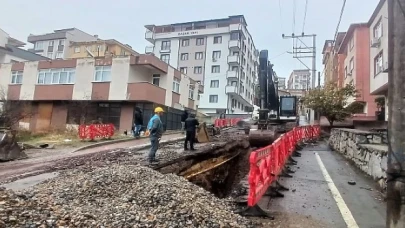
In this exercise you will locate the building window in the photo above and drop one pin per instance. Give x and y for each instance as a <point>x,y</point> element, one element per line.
<point>213,98</point>
<point>176,85</point>
<point>351,65</point>
<point>377,30</point>
<point>77,49</point>
<point>378,64</point>
<point>156,79</point>
<point>103,74</point>
<point>184,56</point>
<point>191,93</point>
<point>56,76</point>
<point>166,45</point>
<point>183,70</point>
<point>235,68</point>
<point>185,43</point>
<point>217,39</point>
<point>16,77</point>
<point>39,45</point>
<point>351,43</point>
<point>235,36</point>
<point>216,55</point>
<point>199,55</point>
<point>197,70</point>
<point>234,83</point>
<point>214,84</point>
<point>346,72</point>
<point>59,55</point>
<point>215,69</point>
<point>199,41</point>
<point>165,58</point>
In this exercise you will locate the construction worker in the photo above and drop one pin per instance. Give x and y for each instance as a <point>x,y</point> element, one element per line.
<point>155,128</point>
<point>191,125</point>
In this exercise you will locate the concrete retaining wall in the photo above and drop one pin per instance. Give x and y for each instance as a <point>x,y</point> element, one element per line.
<point>368,151</point>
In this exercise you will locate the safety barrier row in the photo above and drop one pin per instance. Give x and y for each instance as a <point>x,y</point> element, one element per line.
<point>266,164</point>
<point>230,122</point>
<point>96,131</point>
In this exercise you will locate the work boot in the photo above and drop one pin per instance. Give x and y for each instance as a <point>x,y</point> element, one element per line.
<point>192,149</point>
<point>154,161</point>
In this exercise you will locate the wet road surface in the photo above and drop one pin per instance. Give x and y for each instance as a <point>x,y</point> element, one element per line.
<point>320,195</point>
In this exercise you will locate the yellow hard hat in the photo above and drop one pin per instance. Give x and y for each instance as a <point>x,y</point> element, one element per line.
<point>159,109</point>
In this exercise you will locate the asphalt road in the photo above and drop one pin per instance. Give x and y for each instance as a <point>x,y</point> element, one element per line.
<point>320,195</point>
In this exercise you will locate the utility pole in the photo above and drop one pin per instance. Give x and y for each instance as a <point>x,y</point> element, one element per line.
<point>396,119</point>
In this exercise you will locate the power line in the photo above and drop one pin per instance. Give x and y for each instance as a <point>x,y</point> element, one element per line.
<point>305,15</point>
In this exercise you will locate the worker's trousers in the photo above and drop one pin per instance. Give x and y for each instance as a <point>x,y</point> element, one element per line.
<point>154,142</point>
<point>190,137</point>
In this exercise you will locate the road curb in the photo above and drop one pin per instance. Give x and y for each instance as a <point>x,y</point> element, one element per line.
<point>163,142</point>
<point>109,142</point>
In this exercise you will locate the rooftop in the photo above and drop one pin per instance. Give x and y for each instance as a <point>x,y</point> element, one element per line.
<point>21,53</point>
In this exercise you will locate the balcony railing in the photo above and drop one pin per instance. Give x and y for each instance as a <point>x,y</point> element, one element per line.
<point>234,44</point>
<point>233,59</point>
<point>149,36</point>
<point>231,89</point>
<point>232,74</point>
<point>149,49</point>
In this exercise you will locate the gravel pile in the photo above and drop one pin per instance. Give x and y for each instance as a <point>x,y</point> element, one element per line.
<point>116,196</point>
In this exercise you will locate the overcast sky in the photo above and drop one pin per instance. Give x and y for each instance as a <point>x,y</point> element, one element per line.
<point>124,20</point>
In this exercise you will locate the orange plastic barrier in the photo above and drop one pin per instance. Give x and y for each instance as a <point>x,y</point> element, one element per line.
<point>230,122</point>
<point>94,131</point>
<point>267,163</point>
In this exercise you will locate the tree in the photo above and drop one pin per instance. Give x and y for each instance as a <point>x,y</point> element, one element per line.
<point>396,115</point>
<point>13,111</point>
<point>332,102</point>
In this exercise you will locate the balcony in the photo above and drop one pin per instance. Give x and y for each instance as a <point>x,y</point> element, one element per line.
<point>145,91</point>
<point>150,36</point>
<point>233,59</point>
<point>232,74</point>
<point>149,61</point>
<point>235,27</point>
<point>230,89</point>
<point>149,49</point>
<point>234,45</point>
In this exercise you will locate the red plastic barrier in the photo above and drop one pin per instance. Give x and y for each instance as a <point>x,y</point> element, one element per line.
<point>267,163</point>
<point>221,123</point>
<point>94,131</point>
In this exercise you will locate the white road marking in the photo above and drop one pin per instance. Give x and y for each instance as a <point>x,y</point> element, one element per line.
<point>344,210</point>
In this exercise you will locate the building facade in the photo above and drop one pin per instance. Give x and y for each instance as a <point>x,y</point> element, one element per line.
<point>219,53</point>
<point>356,49</point>
<point>281,83</point>
<point>11,50</point>
<point>99,48</point>
<point>56,45</point>
<point>332,61</point>
<point>299,79</point>
<point>378,30</point>
<point>64,93</point>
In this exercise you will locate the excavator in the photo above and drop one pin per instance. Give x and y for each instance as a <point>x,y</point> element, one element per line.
<point>277,114</point>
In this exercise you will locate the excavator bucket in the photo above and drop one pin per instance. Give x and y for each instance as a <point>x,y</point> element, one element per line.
<point>202,133</point>
<point>9,148</point>
<point>261,138</point>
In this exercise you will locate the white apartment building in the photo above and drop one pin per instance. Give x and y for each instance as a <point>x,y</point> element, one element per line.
<point>56,45</point>
<point>281,83</point>
<point>378,28</point>
<point>299,79</point>
<point>218,53</point>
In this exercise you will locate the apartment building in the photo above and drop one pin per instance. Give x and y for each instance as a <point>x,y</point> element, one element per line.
<point>356,49</point>
<point>56,45</point>
<point>64,93</point>
<point>281,83</point>
<point>299,79</point>
<point>11,50</point>
<point>378,32</point>
<point>220,53</point>
<point>99,48</point>
<point>333,61</point>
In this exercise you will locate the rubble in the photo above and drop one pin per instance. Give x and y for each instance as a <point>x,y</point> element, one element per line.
<point>116,196</point>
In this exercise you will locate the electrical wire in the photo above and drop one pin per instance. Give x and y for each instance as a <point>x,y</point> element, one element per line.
<point>305,15</point>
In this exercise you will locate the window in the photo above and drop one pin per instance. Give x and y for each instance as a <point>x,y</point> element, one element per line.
<point>39,45</point>
<point>346,72</point>
<point>213,98</point>
<point>217,39</point>
<point>351,65</point>
<point>199,55</point>
<point>165,58</point>
<point>197,70</point>
<point>103,74</point>
<point>156,79</point>
<point>77,49</point>
<point>377,30</point>
<point>215,69</point>
<point>16,77</point>
<point>50,43</point>
<point>199,41</point>
<point>234,83</point>
<point>378,64</point>
<point>59,55</point>
<point>183,70</point>
<point>191,93</point>
<point>216,55</point>
<point>56,76</point>
<point>351,43</point>
<point>185,43</point>
<point>235,53</point>
<point>214,84</point>
<point>176,85</point>
<point>235,68</point>
<point>235,36</point>
<point>166,45</point>
<point>184,56</point>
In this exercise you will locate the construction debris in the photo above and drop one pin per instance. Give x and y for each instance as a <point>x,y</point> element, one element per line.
<point>9,148</point>
<point>116,196</point>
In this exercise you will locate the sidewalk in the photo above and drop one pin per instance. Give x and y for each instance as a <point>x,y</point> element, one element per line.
<point>19,167</point>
